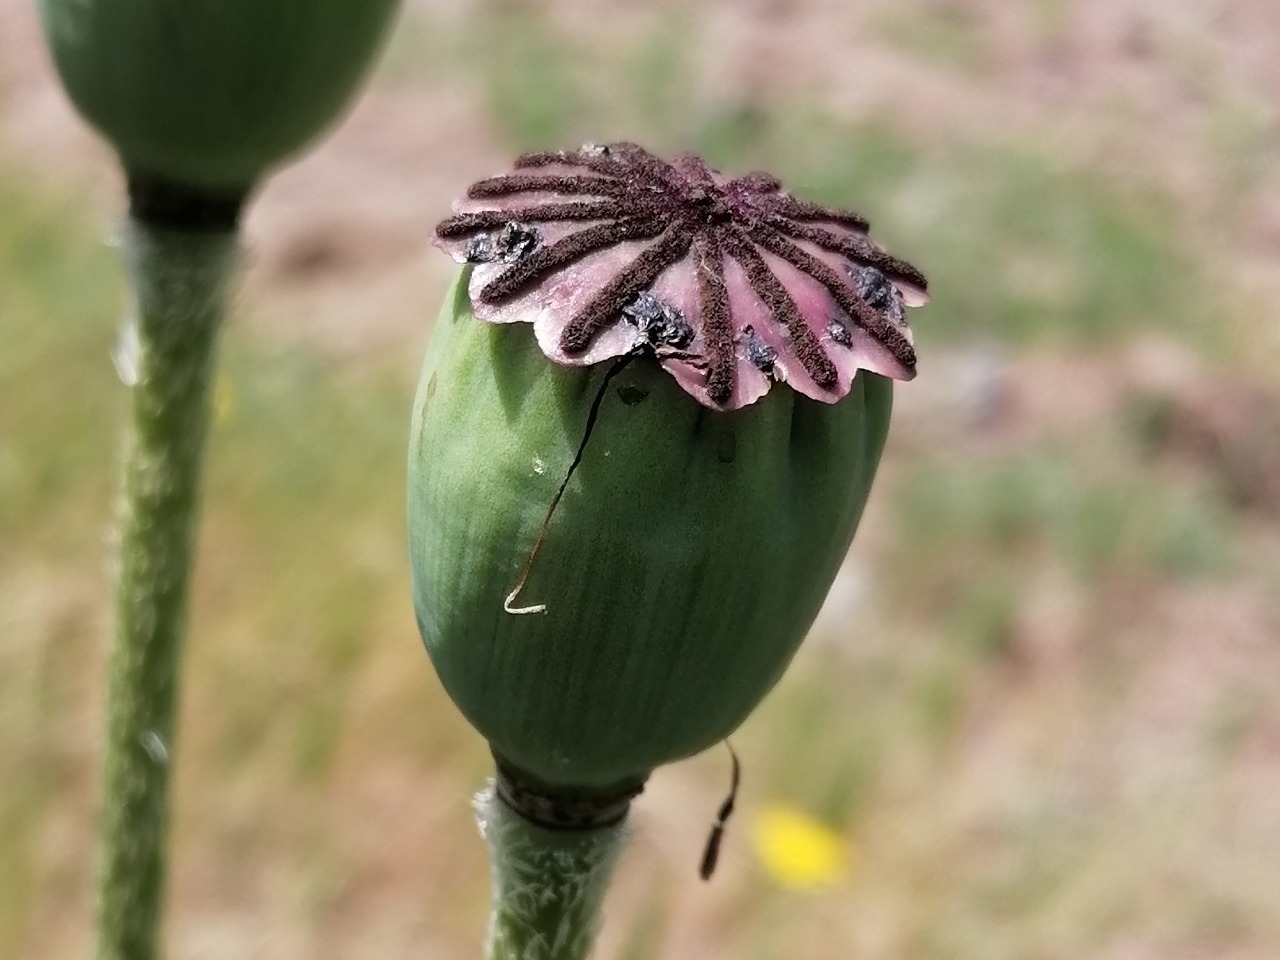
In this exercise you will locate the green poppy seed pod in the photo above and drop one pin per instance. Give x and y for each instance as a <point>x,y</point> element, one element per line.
<point>616,553</point>
<point>211,94</point>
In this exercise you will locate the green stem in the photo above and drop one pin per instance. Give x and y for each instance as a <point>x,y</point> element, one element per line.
<point>180,282</point>
<point>548,885</point>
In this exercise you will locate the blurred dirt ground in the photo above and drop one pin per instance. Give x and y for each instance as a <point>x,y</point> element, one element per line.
<point>1042,705</point>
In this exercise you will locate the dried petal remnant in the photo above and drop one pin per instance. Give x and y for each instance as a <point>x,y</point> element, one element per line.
<point>508,245</point>
<point>609,248</point>
<point>661,323</point>
<point>758,352</point>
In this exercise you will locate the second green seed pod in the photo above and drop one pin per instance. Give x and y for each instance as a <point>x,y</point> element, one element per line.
<point>211,94</point>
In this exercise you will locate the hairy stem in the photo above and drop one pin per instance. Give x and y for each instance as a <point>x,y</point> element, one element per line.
<point>179,281</point>
<point>548,885</point>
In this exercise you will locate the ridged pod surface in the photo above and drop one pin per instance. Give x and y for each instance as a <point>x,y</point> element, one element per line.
<point>688,557</point>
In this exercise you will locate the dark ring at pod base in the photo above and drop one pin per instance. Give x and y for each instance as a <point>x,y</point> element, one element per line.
<point>159,202</point>
<point>560,808</point>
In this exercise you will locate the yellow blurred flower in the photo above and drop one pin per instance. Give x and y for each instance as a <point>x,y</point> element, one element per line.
<point>797,851</point>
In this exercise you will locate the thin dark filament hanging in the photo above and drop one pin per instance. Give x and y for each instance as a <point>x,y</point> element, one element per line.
<point>711,852</point>
<point>508,604</point>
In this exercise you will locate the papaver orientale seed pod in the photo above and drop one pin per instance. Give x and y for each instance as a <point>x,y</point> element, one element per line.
<point>624,520</point>
<point>211,94</point>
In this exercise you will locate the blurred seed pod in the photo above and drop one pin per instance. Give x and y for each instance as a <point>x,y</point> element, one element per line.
<point>211,94</point>
<point>616,554</point>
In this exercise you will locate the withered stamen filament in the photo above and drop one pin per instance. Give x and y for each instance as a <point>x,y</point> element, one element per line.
<point>606,305</point>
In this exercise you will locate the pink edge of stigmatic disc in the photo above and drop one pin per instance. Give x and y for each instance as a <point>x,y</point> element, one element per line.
<point>732,284</point>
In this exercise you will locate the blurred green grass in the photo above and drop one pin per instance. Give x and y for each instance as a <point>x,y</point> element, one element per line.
<point>981,731</point>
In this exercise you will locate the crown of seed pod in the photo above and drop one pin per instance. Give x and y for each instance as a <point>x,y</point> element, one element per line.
<point>616,553</point>
<point>211,94</point>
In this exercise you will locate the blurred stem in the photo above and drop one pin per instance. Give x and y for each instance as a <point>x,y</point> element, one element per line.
<point>548,885</point>
<point>180,285</point>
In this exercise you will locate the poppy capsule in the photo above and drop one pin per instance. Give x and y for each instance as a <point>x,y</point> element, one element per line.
<point>646,428</point>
